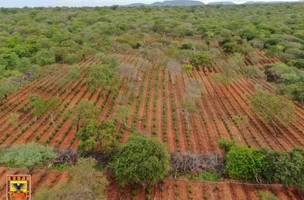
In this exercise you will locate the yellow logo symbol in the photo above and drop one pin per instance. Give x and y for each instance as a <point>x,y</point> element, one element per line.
<point>18,187</point>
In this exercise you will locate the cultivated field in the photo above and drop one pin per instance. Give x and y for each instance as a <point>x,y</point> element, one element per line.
<point>170,189</point>
<point>155,101</point>
<point>40,178</point>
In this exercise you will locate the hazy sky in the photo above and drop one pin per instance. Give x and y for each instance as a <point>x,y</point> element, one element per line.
<point>47,3</point>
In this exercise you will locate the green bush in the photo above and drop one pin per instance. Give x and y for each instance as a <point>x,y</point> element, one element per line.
<point>141,160</point>
<point>271,107</point>
<point>289,168</point>
<point>245,163</point>
<point>249,164</point>
<point>268,196</point>
<point>200,58</point>
<point>105,76</point>
<point>27,155</point>
<point>96,135</point>
<point>187,67</point>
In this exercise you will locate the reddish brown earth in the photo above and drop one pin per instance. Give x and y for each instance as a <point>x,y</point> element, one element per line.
<point>40,178</point>
<point>171,189</point>
<point>157,111</point>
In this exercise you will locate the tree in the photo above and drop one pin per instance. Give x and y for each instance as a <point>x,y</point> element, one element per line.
<point>246,163</point>
<point>104,76</point>
<point>140,161</point>
<point>271,107</point>
<point>6,88</point>
<point>41,106</point>
<point>84,112</point>
<point>200,58</point>
<point>96,135</point>
<point>73,74</point>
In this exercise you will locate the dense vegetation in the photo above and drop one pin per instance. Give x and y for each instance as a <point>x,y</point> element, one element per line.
<point>220,40</point>
<point>264,166</point>
<point>33,38</point>
<point>141,160</point>
<point>27,155</point>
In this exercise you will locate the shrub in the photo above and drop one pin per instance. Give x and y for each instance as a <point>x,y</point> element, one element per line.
<point>188,46</point>
<point>96,135</point>
<point>86,183</point>
<point>6,88</point>
<point>27,155</point>
<point>289,168</point>
<point>83,113</point>
<point>245,163</point>
<point>187,67</point>
<point>45,57</point>
<point>226,144</point>
<point>141,160</point>
<point>264,166</point>
<point>41,106</point>
<point>271,107</point>
<point>200,58</point>
<point>104,76</point>
<point>268,196</point>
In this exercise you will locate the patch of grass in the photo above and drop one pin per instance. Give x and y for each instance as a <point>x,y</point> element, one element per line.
<point>265,195</point>
<point>206,176</point>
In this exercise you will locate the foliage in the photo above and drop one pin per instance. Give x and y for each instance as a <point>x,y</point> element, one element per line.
<point>141,160</point>
<point>271,107</point>
<point>84,112</point>
<point>26,155</point>
<point>264,166</point>
<point>226,144</point>
<point>267,196</point>
<point>245,163</point>
<point>6,88</point>
<point>41,106</point>
<point>73,74</point>
<point>187,67</point>
<point>97,135</point>
<point>200,58</point>
<point>288,168</point>
<point>206,176</point>
<point>290,80</point>
<point>85,183</point>
<point>104,76</point>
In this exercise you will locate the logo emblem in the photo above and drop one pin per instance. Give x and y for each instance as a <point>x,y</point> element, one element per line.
<point>18,187</point>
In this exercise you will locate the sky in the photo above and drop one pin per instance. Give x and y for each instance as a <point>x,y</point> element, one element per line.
<point>79,3</point>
